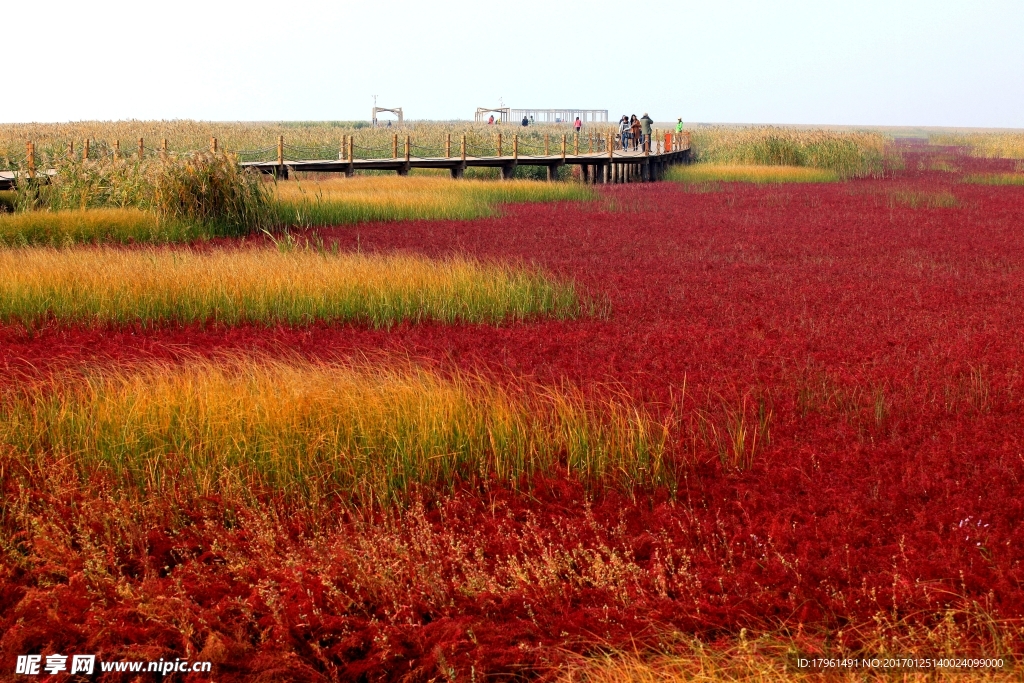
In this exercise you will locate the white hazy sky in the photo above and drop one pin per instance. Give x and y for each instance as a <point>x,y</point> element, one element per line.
<point>863,62</point>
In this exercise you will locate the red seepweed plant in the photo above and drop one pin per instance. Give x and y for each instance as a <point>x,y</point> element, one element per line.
<point>868,348</point>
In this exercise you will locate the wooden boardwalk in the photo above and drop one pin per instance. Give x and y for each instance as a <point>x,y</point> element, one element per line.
<point>608,166</point>
<point>597,167</point>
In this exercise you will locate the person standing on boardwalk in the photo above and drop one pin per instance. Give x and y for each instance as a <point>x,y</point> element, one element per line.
<point>526,121</point>
<point>490,121</point>
<point>645,126</point>
<point>679,125</point>
<point>624,132</point>
<point>578,125</point>
<point>635,127</point>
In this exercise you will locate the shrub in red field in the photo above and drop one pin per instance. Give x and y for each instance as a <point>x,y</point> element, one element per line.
<point>842,363</point>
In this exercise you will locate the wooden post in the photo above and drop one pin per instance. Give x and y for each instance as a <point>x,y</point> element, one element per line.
<point>547,145</point>
<point>30,153</point>
<point>576,144</point>
<point>394,146</point>
<point>280,150</point>
<point>142,150</point>
<point>341,152</point>
<point>463,146</point>
<point>609,145</point>
<point>563,148</point>
<point>163,147</point>
<point>117,148</point>
<point>351,146</point>
<point>71,150</point>
<point>85,150</point>
<point>448,146</point>
<point>515,146</point>
<point>591,148</point>
<point>499,144</point>
<point>407,145</point>
<point>213,145</point>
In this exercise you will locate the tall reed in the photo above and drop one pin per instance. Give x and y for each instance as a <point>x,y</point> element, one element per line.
<point>156,285</point>
<point>1006,145</point>
<point>848,154</point>
<point>312,430</point>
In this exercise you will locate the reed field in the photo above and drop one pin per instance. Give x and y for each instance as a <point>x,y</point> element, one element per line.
<point>711,173</point>
<point>388,198</point>
<point>1008,145</point>
<point>292,286</point>
<point>847,154</point>
<point>253,141</point>
<point>318,429</point>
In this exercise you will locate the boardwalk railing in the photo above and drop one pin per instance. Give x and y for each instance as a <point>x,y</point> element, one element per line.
<point>602,157</point>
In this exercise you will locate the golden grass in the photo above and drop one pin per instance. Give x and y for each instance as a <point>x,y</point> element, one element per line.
<point>923,200</point>
<point>381,198</point>
<point>708,173</point>
<point>107,285</point>
<point>1009,145</point>
<point>309,429</point>
<point>63,228</point>
<point>8,200</point>
<point>994,178</point>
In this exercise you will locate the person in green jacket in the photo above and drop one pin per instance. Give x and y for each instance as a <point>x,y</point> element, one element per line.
<point>679,125</point>
<point>645,127</point>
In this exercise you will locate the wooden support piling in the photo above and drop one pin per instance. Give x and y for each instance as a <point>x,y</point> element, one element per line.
<point>448,146</point>
<point>463,146</point>
<point>163,147</point>
<point>213,145</point>
<point>408,140</point>
<point>71,150</point>
<point>142,149</point>
<point>30,154</point>
<point>515,147</point>
<point>499,144</point>
<point>85,150</point>
<point>117,149</point>
<point>394,146</point>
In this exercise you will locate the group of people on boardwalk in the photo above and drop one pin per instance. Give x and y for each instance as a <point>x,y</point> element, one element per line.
<point>635,131</point>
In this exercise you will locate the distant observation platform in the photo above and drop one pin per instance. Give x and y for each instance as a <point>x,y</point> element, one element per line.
<point>510,115</point>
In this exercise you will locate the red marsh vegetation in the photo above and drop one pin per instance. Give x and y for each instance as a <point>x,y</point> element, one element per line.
<point>840,369</point>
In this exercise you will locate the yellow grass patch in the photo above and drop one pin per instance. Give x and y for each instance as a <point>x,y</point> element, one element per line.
<point>108,285</point>
<point>383,198</point>
<point>707,173</point>
<point>316,429</point>
<point>995,178</point>
<point>61,228</point>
